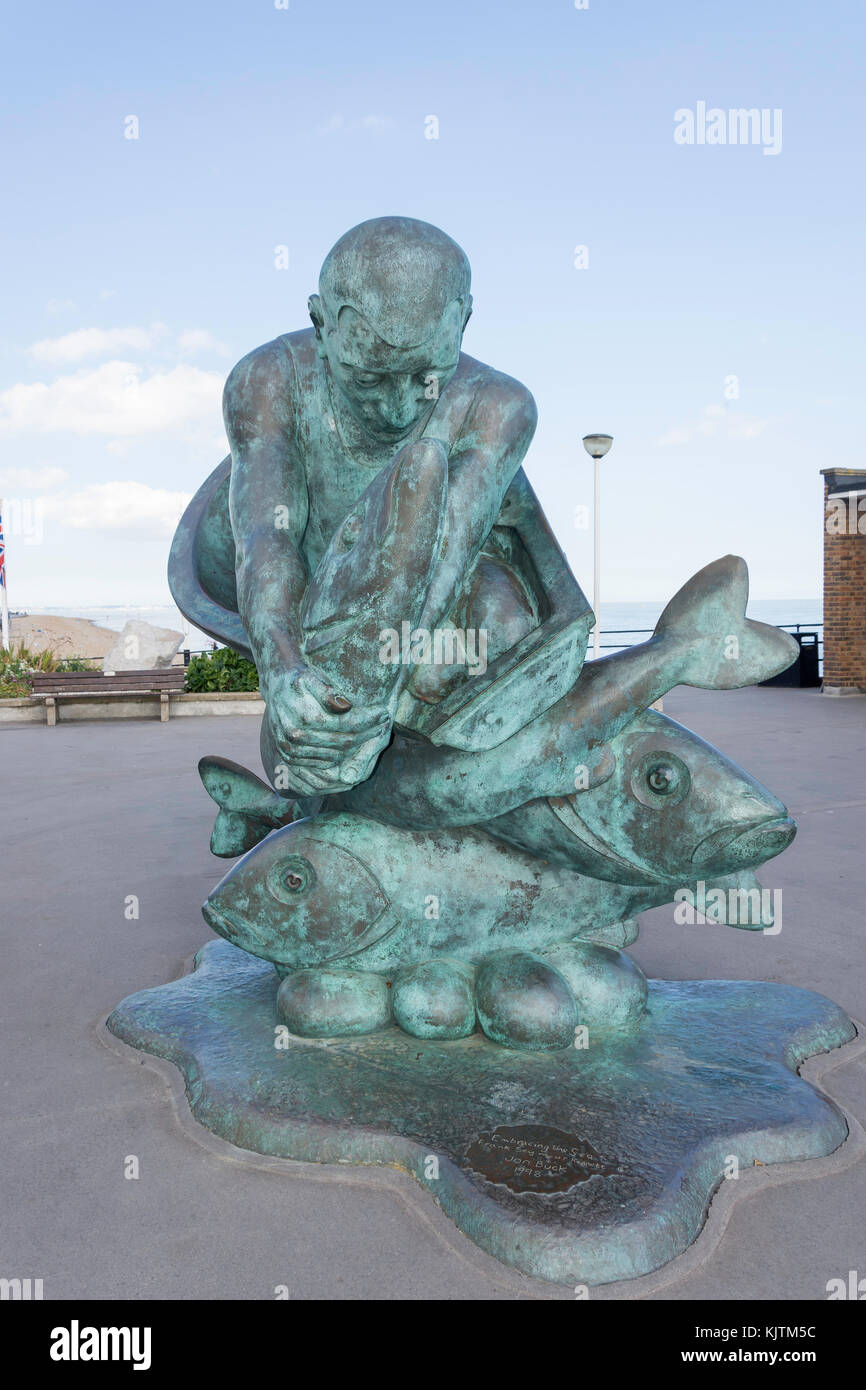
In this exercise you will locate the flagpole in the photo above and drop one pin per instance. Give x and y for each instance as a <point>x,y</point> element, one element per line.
<point>4,601</point>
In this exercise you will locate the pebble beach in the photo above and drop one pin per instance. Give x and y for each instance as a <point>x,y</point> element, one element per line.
<point>66,637</point>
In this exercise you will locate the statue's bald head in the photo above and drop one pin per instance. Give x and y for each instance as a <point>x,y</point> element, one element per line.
<point>399,274</point>
<point>389,317</point>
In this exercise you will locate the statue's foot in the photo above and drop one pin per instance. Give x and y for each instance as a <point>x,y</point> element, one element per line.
<point>325,1003</point>
<point>435,999</point>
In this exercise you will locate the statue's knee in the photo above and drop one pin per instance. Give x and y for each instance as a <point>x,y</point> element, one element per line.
<point>416,484</point>
<point>420,469</point>
<point>429,453</point>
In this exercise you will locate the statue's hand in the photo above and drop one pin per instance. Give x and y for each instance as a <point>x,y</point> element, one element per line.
<point>327,743</point>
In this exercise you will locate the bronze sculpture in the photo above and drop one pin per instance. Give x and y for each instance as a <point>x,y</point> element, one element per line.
<point>375,489</point>
<point>461,820</point>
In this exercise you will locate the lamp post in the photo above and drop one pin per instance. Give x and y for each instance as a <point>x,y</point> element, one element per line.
<point>596,445</point>
<point>4,601</point>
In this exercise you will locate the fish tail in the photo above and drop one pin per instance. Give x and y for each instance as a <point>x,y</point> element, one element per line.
<point>722,649</point>
<point>249,809</point>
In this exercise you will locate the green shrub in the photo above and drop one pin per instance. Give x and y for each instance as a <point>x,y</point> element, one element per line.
<point>19,663</point>
<point>221,670</point>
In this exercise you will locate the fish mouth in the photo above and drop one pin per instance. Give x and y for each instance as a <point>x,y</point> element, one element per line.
<point>222,923</point>
<point>742,846</point>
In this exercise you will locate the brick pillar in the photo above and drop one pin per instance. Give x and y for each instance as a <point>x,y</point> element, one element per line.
<point>844,581</point>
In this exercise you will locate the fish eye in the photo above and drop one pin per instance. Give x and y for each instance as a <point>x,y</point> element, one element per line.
<point>290,878</point>
<point>660,779</point>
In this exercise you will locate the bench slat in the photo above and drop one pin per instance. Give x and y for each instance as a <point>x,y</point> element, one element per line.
<point>142,679</point>
<point>112,690</point>
<point>68,682</point>
<point>107,684</point>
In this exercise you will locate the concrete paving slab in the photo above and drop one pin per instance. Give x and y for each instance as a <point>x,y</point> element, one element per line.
<point>92,814</point>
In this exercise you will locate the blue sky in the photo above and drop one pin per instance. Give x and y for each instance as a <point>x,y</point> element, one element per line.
<point>138,271</point>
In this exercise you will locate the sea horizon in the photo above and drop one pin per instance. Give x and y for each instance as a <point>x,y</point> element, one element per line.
<point>632,621</point>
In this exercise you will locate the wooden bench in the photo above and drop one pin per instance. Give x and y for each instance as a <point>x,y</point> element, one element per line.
<point>73,685</point>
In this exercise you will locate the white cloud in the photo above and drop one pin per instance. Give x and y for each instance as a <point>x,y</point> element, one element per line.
<point>117,399</point>
<point>61,306</point>
<point>94,342</point>
<point>715,421</point>
<point>31,479</point>
<point>119,506</point>
<point>194,340</point>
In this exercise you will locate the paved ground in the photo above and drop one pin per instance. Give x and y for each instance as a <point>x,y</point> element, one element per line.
<point>92,813</point>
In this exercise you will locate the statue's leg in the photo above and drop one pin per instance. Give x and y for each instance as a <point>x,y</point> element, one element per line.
<point>375,575</point>
<point>372,580</point>
<point>492,613</point>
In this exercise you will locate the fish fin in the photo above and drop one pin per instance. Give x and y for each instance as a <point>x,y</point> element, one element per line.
<point>616,934</point>
<point>233,787</point>
<point>731,912</point>
<point>234,833</point>
<point>723,649</point>
<point>249,808</point>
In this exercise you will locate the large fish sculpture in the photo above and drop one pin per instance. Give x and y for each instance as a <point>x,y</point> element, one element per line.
<point>418,785</point>
<point>702,638</point>
<point>340,889</point>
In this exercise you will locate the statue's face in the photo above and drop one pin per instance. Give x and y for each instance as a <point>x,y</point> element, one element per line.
<point>388,390</point>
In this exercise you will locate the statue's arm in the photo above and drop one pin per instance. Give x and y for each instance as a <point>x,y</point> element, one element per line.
<point>268,507</point>
<point>313,727</point>
<point>485,458</point>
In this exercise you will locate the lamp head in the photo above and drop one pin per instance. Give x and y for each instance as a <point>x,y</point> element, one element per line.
<point>597,445</point>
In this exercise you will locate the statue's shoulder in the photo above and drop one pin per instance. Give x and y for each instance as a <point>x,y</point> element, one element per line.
<point>284,363</point>
<point>480,384</point>
<point>482,390</point>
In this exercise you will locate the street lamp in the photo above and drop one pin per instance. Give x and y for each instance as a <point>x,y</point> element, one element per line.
<point>596,445</point>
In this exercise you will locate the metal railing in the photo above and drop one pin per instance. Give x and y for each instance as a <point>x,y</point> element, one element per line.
<point>641,632</point>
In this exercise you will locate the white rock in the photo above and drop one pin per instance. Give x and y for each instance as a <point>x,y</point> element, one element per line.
<point>142,647</point>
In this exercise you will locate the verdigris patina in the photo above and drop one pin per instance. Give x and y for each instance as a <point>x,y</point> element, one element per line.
<point>460,820</point>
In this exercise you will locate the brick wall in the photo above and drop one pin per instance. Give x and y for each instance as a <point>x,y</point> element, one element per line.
<point>844,588</point>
